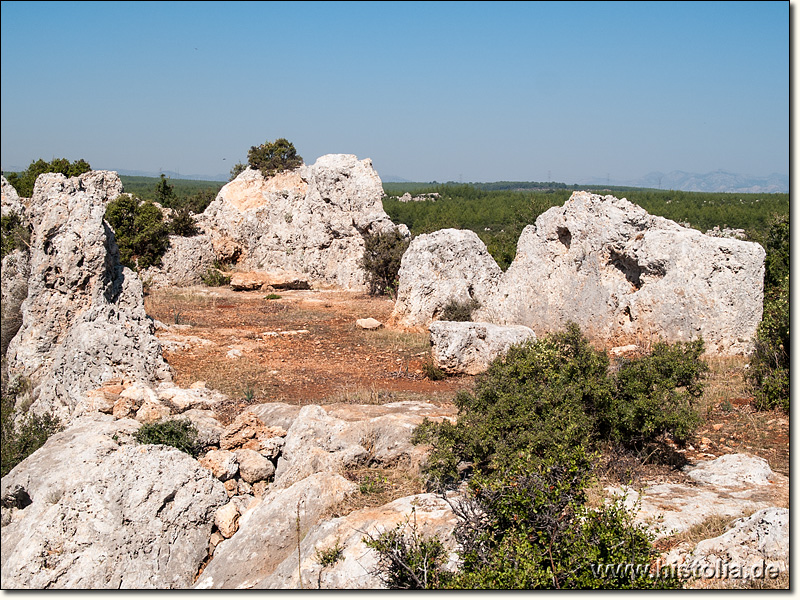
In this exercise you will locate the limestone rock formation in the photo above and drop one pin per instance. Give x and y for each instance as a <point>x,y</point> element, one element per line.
<point>184,263</point>
<point>310,220</point>
<point>730,485</point>
<point>83,321</point>
<point>92,509</point>
<point>267,534</point>
<point>467,347</point>
<point>357,566</point>
<point>449,265</point>
<point>625,276</point>
<point>10,202</point>
<point>753,543</point>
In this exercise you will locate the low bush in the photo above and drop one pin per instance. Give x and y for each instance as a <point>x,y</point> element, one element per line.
<point>557,393</point>
<point>272,157</point>
<point>24,181</point>
<point>459,311</point>
<point>142,235</point>
<point>215,277</point>
<point>183,223</point>
<point>178,433</point>
<point>381,261</point>
<point>19,438</point>
<point>15,235</point>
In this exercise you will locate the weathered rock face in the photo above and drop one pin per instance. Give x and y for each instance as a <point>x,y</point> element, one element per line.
<point>10,202</point>
<point>93,509</point>
<point>184,263</point>
<point>440,267</point>
<point>753,543</point>
<point>15,273</point>
<point>730,485</point>
<point>358,564</point>
<point>467,347</point>
<point>83,321</point>
<point>310,220</point>
<point>267,534</point>
<point>626,276</point>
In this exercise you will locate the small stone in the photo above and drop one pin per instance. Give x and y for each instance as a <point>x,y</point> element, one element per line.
<point>369,324</point>
<point>717,426</point>
<point>227,519</point>
<point>253,466</point>
<point>231,487</point>
<point>222,464</point>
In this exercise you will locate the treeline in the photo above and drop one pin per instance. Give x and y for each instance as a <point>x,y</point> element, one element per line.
<point>183,190</point>
<point>498,216</point>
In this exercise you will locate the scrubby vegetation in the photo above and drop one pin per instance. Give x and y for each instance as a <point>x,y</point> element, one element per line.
<point>20,436</point>
<point>24,181</point>
<point>769,364</point>
<point>142,235</point>
<point>15,235</point>
<point>381,261</point>
<point>273,157</point>
<point>178,433</point>
<point>526,440</point>
<point>459,311</point>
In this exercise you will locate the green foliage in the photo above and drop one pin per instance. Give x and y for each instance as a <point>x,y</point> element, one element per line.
<point>272,297</point>
<point>528,527</point>
<point>142,235</point>
<point>459,311</point>
<point>372,484</point>
<point>499,212</point>
<point>236,170</point>
<point>769,365</point>
<point>408,560</point>
<point>557,393</point>
<point>183,223</point>
<point>23,182</point>
<point>178,433</point>
<point>330,556</point>
<point>215,277</point>
<point>21,439</point>
<point>165,193</point>
<point>273,157</point>
<point>15,236</point>
<point>431,371</point>
<point>195,194</point>
<point>381,260</point>
<point>655,394</point>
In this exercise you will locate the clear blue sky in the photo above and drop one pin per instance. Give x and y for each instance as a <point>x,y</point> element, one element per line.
<point>430,91</point>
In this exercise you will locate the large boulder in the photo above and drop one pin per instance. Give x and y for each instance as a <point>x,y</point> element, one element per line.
<point>184,263</point>
<point>83,321</point>
<point>449,265</point>
<point>91,509</point>
<point>467,347</point>
<point>627,277</point>
<point>310,220</point>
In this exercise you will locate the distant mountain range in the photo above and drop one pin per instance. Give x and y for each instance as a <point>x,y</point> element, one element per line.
<point>174,175</point>
<point>716,181</point>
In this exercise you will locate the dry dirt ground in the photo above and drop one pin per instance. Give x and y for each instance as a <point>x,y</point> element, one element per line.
<point>302,348</point>
<point>305,348</point>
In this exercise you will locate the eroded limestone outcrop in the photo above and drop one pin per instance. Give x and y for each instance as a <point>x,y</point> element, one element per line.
<point>467,347</point>
<point>92,509</point>
<point>83,321</point>
<point>309,221</point>
<point>623,275</point>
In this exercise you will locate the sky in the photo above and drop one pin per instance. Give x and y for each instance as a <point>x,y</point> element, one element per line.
<point>430,91</point>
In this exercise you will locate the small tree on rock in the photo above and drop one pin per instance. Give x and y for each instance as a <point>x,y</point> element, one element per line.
<point>273,157</point>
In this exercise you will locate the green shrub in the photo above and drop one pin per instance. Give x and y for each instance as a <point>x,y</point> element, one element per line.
<point>165,193</point>
<point>24,181</point>
<point>557,393</point>
<point>273,157</point>
<point>183,223</point>
<point>142,235</point>
<point>15,236</point>
<point>408,560</point>
<point>432,372</point>
<point>383,253</point>
<point>236,170</point>
<point>178,433</point>
<point>272,297</point>
<point>20,439</point>
<point>768,374</point>
<point>459,311</point>
<point>215,277</point>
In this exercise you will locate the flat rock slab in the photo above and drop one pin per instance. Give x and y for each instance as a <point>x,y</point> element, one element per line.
<point>467,347</point>
<point>369,324</point>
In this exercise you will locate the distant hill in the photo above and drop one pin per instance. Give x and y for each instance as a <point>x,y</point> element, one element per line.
<point>717,181</point>
<point>173,175</point>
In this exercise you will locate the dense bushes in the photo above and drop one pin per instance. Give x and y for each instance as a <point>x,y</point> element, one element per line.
<point>769,365</point>
<point>556,394</point>
<point>381,260</point>
<point>23,182</point>
<point>142,235</point>
<point>273,157</point>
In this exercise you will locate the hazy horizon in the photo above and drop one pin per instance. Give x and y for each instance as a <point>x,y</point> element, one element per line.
<point>533,91</point>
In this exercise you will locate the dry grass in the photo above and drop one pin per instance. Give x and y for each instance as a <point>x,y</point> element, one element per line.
<point>712,527</point>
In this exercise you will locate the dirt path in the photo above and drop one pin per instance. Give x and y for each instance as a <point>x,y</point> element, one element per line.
<point>303,347</point>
